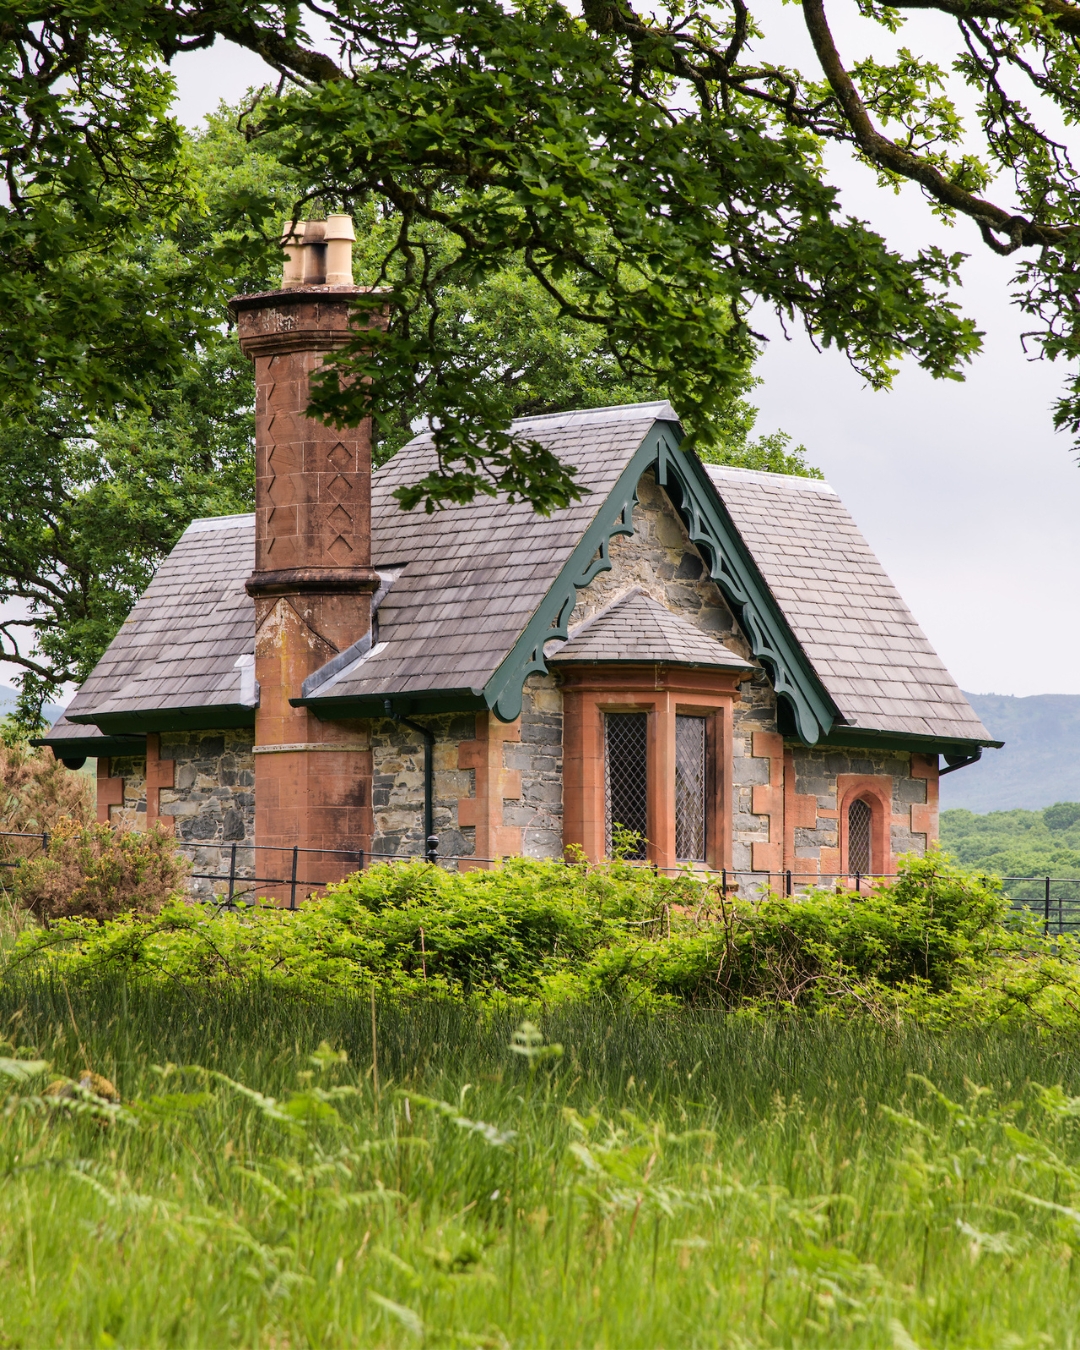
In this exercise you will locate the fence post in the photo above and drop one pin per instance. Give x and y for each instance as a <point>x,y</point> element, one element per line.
<point>787,882</point>
<point>292,885</point>
<point>432,848</point>
<point>232,872</point>
<point>45,841</point>
<point>1046,908</point>
<point>723,882</point>
<point>858,883</point>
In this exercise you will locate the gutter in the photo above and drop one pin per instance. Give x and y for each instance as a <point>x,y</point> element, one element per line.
<point>961,761</point>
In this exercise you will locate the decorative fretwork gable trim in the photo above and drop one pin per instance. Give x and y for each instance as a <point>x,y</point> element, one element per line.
<point>730,565</point>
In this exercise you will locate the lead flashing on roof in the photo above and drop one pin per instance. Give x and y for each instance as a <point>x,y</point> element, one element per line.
<point>353,657</point>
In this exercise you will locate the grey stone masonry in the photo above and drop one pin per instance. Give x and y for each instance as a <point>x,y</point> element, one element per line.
<point>397,786</point>
<point>816,772</point>
<point>132,769</point>
<point>212,804</point>
<point>755,710</point>
<point>660,559</point>
<point>539,758</point>
<point>398,780</point>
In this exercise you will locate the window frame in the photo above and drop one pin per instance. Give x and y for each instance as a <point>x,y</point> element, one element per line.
<point>663,692</point>
<point>609,821</point>
<point>708,754</point>
<point>876,791</point>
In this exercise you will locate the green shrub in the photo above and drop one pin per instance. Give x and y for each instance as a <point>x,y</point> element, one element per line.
<point>96,872</point>
<point>934,946</point>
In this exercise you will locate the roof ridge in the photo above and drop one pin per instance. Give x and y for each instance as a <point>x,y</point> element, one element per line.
<point>586,624</point>
<point>661,404</point>
<point>795,481</point>
<point>219,522</point>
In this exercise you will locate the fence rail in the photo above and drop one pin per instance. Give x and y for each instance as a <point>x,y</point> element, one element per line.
<point>1056,900</point>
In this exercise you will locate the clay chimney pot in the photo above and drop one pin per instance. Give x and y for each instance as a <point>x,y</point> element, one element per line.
<point>339,235</point>
<point>314,253</point>
<point>292,241</point>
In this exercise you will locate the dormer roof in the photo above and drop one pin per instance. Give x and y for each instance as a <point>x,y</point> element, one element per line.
<point>637,629</point>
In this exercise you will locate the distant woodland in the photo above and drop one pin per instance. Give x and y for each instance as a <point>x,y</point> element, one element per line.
<point>1016,843</point>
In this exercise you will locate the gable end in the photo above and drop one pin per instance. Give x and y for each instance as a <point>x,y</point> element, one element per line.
<point>731,567</point>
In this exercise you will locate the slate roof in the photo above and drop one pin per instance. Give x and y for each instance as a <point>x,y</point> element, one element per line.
<point>467,579</point>
<point>637,628</point>
<point>179,646</point>
<point>475,573</point>
<point>865,646</point>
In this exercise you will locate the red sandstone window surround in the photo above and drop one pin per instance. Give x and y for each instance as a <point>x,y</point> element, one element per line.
<point>678,720</point>
<point>865,810</point>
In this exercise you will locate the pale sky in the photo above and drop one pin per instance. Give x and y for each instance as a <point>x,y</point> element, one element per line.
<point>963,490</point>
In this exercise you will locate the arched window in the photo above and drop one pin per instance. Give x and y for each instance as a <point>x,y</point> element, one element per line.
<point>859,822</point>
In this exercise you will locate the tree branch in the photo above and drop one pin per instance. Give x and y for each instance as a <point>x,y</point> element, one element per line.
<point>992,220</point>
<point>1064,17</point>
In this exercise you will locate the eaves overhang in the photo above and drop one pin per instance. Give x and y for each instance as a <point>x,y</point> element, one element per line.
<point>712,530</point>
<point>91,747</point>
<point>204,717</point>
<point>406,703</point>
<point>853,736</point>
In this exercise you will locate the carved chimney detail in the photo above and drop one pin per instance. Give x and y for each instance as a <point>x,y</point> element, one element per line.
<point>313,578</point>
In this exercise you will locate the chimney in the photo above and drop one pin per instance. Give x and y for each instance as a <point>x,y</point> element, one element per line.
<point>313,579</point>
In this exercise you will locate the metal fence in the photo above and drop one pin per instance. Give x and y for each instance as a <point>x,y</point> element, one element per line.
<point>294,872</point>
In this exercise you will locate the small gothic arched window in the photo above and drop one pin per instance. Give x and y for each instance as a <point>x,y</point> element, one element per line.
<point>859,818</point>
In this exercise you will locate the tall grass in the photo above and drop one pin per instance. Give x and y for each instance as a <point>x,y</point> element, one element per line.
<point>699,1180</point>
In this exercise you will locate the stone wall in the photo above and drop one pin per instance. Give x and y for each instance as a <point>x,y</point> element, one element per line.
<point>816,773</point>
<point>538,757</point>
<point>132,769</point>
<point>754,711</point>
<point>660,558</point>
<point>530,757</point>
<point>212,805</point>
<point>397,786</point>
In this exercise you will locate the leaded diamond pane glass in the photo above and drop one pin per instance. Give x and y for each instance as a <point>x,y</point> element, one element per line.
<point>858,837</point>
<point>690,789</point>
<point>626,776</point>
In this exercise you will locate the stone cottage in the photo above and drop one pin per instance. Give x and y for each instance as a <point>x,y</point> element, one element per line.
<point>710,657</point>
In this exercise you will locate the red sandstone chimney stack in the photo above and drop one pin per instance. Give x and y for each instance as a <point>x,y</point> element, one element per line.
<point>313,577</point>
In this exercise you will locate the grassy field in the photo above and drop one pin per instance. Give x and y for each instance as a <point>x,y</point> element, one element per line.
<point>699,1180</point>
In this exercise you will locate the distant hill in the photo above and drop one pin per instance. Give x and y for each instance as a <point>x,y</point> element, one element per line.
<point>8,697</point>
<point>1039,765</point>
